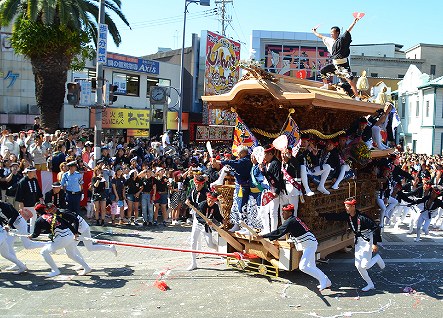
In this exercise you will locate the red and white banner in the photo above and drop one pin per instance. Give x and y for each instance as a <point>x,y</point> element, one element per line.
<point>46,178</point>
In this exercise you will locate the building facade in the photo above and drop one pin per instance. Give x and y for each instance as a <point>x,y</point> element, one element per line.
<point>420,106</point>
<point>431,55</point>
<point>134,77</point>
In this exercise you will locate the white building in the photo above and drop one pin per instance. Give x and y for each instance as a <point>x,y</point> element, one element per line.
<point>420,103</point>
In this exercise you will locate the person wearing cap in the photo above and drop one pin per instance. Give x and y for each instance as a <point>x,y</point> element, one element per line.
<point>211,210</point>
<point>367,235</point>
<point>11,182</point>
<point>6,248</point>
<point>430,203</point>
<point>56,196</point>
<point>309,166</point>
<point>63,230</point>
<point>304,241</point>
<point>29,193</point>
<point>86,152</point>
<point>72,183</point>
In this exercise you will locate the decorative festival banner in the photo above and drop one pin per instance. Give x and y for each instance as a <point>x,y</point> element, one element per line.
<point>221,67</point>
<point>243,136</point>
<point>293,133</point>
<point>221,117</point>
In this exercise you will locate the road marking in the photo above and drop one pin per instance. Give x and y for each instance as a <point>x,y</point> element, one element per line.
<point>391,260</point>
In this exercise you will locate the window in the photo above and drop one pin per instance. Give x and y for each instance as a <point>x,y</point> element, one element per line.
<point>374,74</point>
<point>127,84</point>
<point>432,70</point>
<point>417,108</point>
<point>403,107</point>
<point>152,81</point>
<point>427,108</point>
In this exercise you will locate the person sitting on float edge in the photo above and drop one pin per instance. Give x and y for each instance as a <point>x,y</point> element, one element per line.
<point>310,166</point>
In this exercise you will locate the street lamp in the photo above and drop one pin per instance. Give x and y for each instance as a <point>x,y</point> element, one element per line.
<point>182,67</point>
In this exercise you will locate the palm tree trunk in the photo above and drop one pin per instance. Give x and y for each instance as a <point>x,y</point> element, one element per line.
<point>50,73</point>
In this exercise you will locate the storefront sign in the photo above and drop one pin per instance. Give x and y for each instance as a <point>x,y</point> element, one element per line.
<point>137,133</point>
<point>133,64</point>
<point>172,122</point>
<point>123,118</point>
<point>213,133</point>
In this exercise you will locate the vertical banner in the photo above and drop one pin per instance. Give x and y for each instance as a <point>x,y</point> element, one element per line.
<point>102,45</point>
<point>221,67</point>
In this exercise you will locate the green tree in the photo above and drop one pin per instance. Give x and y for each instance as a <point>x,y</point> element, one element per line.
<point>56,35</point>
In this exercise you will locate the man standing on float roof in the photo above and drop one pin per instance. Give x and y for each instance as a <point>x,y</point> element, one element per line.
<point>367,234</point>
<point>339,48</point>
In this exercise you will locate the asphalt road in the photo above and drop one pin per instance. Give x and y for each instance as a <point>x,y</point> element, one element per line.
<point>411,285</point>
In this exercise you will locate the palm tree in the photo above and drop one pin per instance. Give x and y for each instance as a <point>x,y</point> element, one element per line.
<point>55,35</point>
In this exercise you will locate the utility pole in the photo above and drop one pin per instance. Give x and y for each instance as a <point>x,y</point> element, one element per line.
<point>99,90</point>
<point>224,19</point>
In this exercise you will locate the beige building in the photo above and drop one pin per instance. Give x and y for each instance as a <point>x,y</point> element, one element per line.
<point>380,60</point>
<point>431,55</point>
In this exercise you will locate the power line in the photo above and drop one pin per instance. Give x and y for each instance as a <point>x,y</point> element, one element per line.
<point>169,20</point>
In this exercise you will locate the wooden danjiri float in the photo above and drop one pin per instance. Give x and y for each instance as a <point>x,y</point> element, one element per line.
<point>263,101</point>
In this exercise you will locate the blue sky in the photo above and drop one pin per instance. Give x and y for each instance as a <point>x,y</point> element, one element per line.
<point>160,23</point>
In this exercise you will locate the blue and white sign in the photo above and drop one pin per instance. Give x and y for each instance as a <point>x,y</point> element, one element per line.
<point>102,45</point>
<point>133,64</point>
<point>85,93</point>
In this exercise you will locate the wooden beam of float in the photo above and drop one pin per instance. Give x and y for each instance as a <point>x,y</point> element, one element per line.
<point>271,248</point>
<point>232,241</point>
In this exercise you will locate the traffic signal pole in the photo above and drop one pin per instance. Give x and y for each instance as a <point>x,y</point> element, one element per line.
<point>99,91</point>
